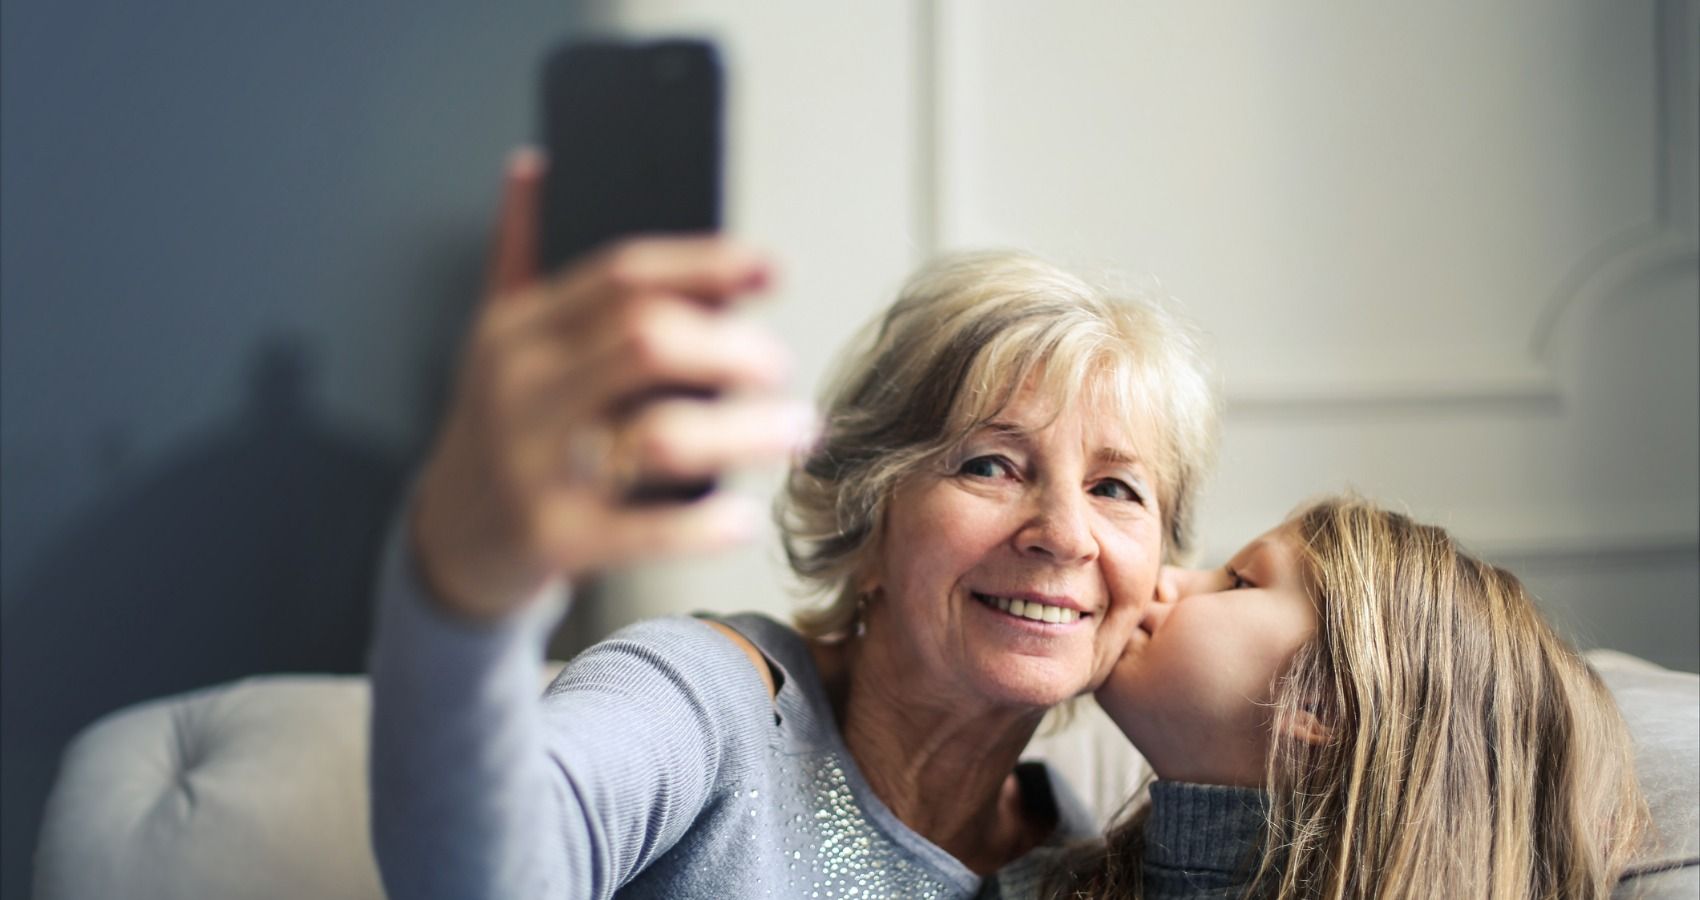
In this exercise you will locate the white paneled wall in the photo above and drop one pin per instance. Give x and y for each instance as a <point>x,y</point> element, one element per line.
<point>1447,252</point>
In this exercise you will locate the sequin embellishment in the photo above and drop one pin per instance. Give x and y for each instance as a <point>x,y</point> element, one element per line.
<point>836,851</point>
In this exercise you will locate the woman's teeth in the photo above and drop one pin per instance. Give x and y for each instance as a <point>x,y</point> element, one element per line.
<point>1032,609</point>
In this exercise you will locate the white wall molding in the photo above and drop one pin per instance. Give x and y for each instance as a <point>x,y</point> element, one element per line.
<point>1525,385</point>
<point>1669,240</point>
<point>1529,391</point>
<point>1635,254</point>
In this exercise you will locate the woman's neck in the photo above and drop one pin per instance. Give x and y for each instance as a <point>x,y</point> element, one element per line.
<point>944,769</point>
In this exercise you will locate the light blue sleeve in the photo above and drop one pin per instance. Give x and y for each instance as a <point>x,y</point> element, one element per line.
<point>482,790</point>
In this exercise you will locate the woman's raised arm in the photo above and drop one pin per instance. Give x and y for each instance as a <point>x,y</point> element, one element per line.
<point>567,396</point>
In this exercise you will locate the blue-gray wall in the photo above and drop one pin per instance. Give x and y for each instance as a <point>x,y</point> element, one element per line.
<point>239,241</point>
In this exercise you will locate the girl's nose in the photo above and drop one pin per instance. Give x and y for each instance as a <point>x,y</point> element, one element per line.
<point>1168,584</point>
<point>1180,584</point>
<point>1175,584</point>
<point>1171,588</point>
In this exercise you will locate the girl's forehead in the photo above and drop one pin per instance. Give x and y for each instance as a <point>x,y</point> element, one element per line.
<point>1276,549</point>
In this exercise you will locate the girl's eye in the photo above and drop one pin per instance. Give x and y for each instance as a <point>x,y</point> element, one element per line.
<point>1236,582</point>
<point>985,467</point>
<point>1116,489</point>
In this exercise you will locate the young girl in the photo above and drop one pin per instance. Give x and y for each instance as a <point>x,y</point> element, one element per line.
<point>1355,708</point>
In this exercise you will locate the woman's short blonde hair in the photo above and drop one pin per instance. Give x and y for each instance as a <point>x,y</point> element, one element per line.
<point>965,334</point>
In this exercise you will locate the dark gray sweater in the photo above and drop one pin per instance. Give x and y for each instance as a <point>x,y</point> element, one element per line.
<point>1200,841</point>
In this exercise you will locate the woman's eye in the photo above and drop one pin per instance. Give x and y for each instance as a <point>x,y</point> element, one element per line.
<point>985,467</point>
<point>1116,489</point>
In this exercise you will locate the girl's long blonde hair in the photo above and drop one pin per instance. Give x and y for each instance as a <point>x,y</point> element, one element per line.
<point>1471,752</point>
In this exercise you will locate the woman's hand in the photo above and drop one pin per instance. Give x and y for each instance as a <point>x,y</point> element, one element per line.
<point>555,414</point>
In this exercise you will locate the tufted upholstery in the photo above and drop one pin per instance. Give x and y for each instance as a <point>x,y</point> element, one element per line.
<point>257,789</point>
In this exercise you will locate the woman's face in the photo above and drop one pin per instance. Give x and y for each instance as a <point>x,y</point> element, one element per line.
<point>1018,575</point>
<point>1192,688</point>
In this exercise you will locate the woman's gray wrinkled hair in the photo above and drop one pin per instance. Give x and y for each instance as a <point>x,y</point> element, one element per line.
<point>966,333</point>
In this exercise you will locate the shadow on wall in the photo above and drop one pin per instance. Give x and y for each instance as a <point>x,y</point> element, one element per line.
<point>249,550</point>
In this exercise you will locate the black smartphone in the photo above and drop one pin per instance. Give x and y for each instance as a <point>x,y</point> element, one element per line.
<point>633,133</point>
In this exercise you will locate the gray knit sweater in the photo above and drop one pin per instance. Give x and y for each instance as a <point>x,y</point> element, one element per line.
<point>655,766</point>
<point>1201,842</point>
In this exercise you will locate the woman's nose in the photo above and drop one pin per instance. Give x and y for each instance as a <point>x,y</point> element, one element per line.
<point>1058,529</point>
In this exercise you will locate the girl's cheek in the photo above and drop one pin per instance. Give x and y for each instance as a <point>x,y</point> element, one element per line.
<point>1113,693</point>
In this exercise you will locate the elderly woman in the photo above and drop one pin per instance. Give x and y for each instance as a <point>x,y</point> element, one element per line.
<point>1002,471</point>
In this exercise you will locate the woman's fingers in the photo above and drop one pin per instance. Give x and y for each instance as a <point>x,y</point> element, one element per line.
<point>682,440</point>
<point>513,256</point>
<point>577,542</point>
<point>714,523</point>
<point>670,440</point>
<point>708,268</point>
<point>665,342</point>
<point>646,321</point>
<point>546,382</point>
<point>712,272</point>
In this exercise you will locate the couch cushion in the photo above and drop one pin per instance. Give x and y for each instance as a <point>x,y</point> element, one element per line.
<point>1662,709</point>
<point>256,789</point>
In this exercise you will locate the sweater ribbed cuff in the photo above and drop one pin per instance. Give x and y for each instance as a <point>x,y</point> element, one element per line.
<point>1203,827</point>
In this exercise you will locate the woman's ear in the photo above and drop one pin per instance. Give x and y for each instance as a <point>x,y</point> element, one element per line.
<point>865,577</point>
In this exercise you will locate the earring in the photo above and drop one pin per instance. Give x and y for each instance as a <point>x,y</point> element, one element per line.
<point>861,615</point>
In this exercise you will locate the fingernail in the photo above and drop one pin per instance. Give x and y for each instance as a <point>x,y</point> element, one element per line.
<point>771,355</point>
<point>760,276</point>
<point>804,425</point>
<point>525,160</point>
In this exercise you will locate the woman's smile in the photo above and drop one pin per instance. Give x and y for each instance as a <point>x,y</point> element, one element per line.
<point>1034,608</point>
